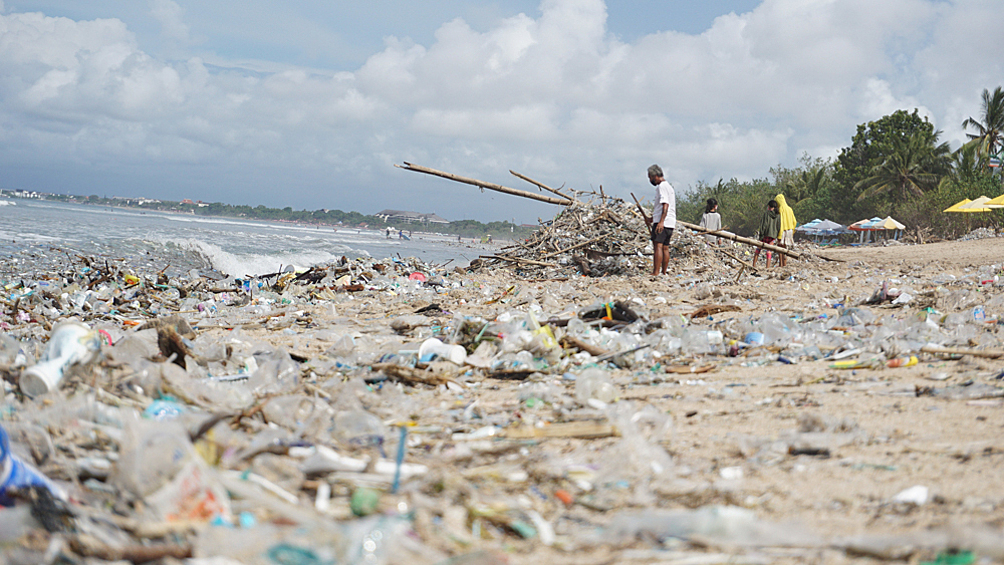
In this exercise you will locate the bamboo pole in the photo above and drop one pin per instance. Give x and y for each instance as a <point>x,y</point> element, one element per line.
<point>989,353</point>
<point>517,260</point>
<point>576,246</point>
<point>741,239</point>
<point>540,184</point>
<point>564,201</point>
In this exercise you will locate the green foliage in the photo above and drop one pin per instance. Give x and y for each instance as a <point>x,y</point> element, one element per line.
<point>871,146</point>
<point>914,166</point>
<point>990,127</point>
<point>927,212</point>
<point>741,204</point>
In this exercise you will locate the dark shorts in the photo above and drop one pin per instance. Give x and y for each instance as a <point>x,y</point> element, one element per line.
<point>663,237</point>
<point>768,240</point>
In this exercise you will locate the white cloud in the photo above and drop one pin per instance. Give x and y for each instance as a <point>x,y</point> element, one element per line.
<point>554,96</point>
<point>171,18</point>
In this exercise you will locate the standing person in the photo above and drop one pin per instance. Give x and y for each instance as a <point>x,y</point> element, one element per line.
<point>663,219</point>
<point>788,225</point>
<point>712,220</point>
<point>770,228</point>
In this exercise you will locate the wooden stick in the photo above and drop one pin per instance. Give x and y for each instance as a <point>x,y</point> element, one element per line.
<point>644,216</point>
<point>583,346</point>
<point>540,184</point>
<point>580,429</point>
<point>990,353</point>
<point>741,239</point>
<point>565,201</point>
<point>518,260</point>
<point>744,263</point>
<point>576,246</point>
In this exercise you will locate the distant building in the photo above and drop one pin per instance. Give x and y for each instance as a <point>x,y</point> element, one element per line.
<point>404,216</point>
<point>188,201</point>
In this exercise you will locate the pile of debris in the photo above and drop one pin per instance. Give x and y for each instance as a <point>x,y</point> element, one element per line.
<point>597,237</point>
<point>592,239</point>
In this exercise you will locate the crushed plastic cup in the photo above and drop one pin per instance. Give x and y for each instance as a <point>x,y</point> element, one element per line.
<point>754,338</point>
<point>70,343</point>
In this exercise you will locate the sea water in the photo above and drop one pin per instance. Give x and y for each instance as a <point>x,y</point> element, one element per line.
<point>35,231</point>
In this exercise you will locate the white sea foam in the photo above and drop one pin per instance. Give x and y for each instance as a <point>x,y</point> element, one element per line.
<point>240,264</point>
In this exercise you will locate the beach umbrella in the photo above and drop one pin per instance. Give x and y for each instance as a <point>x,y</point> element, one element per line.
<point>957,207</point>
<point>995,202</point>
<point>810,228</point>
<point>829,225</point>
<point>891,224</point>
<point>866,225</point>
<point>978,205</point>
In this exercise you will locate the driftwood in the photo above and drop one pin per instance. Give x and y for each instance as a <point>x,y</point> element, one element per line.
<point>581,345</point>
<point>989,353</point>
<point>712,309</point>
<point>561,201</point>
<point>581,429</point>
<point>741,239</point>
<point>411,375</point>
<point>540,184</point>
<point>518,260</point>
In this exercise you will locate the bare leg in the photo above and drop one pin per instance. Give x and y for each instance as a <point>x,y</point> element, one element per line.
<point>755,255</point>
<point>665,258</point>
<point>657,259</point>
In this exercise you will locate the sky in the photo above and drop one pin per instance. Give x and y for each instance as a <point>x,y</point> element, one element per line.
<point>310,104</point>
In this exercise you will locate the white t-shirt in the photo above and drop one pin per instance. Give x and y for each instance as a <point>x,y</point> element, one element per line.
<point>664,194</point>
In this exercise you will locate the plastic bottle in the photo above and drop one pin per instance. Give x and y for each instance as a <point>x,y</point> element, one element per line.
<point>903,361</point>
<point>69,344</point>
<point>594,383</point>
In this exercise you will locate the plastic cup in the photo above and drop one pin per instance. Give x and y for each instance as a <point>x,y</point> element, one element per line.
<point>70,343</point>
<point>435,347</point>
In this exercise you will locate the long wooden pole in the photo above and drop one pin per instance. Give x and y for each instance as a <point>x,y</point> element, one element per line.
<point>539,184</point>
<point>490,186</point>
<point>741,239</point>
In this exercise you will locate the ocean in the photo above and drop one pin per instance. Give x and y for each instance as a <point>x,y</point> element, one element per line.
<point>35,232</point>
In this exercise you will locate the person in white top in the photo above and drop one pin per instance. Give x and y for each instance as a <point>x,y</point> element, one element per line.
<point>663,219</point>
<point>712,220</point>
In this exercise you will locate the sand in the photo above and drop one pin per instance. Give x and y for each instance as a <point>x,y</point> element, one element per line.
<point>735,432</point>
<point>724,421</point>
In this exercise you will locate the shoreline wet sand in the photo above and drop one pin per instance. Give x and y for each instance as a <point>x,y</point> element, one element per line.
<point>804,446</point>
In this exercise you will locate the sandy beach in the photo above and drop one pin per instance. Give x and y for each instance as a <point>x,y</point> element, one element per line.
<point>806,452</point>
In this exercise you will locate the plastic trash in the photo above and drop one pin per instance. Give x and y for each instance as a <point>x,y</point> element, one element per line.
<point>903,361</point>
<point>594,384</point>
<point>433,348</point>
<point>724,524</point>
<point>69,344</point>
<point>159,465</point>
<point>15,473</point>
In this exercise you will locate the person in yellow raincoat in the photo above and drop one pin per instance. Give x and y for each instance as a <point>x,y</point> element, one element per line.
<point>788,225</point>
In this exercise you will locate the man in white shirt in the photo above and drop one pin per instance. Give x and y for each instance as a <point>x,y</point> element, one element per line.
<point>663,219</point>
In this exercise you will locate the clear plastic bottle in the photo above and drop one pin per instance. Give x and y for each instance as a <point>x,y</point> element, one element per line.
<point>594,383</point>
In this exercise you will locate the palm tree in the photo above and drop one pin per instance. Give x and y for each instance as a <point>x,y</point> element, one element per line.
<point>967,164</point>
<point>916,166</point>
<point>990,128</point>
<point>806,185</point>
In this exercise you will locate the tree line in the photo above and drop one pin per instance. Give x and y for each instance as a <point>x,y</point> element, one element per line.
<point>333,218</point>
<point>895,166</point>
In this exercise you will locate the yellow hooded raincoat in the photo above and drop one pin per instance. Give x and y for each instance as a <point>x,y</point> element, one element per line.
<point>788,221</point>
